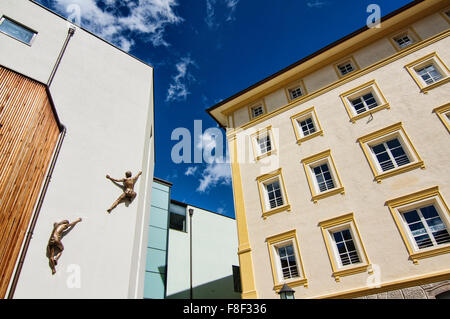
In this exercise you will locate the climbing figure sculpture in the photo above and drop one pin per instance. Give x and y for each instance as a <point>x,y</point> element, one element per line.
<point>128,188</point>
<point>55,246</point>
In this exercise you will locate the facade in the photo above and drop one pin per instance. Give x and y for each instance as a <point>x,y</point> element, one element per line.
<point>340,165</point>
<point>215,271</point>
<point>70,114</point>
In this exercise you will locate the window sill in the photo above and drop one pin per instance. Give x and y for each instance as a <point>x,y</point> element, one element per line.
<point>293,283</point>
<point>431,252</point>
<point>276,211</point>
<point>400,170</point>
<point>332,192</point>
<point>353,119</point>
<point>311,136</point>
<point>265,155</point>
<point>351,271</point>
<point>427,88</point>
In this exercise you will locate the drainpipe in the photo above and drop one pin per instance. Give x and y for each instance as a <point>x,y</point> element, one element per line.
<point>191,213</point>
<point>63,130</point>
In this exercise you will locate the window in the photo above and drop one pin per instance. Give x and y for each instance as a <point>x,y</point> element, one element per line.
<point>429,72</point>
<point>177,219</point>
<point>306,125</point>
<point>364,100</point>
<point>287,266</point>
<point>237,279</point>
<point>443,112</point>
<point>346,67</point>
<point>446,14</point>
<point>263,143</point>
<point>423,221</point>
<point>257,110</point>
<point>344,245</point>
<point>404,39</point>
<point>322,176</point>
<point>390,152</point>
<point>272,193</point>
<point>296,90</point>
<point>16,30</point>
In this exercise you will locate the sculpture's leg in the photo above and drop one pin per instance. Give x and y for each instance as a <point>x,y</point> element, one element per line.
<point>117,202</point>
<point>52,259</point>
<point>61,248</point>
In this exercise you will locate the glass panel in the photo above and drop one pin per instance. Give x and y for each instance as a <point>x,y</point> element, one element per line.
<point>16,31</point>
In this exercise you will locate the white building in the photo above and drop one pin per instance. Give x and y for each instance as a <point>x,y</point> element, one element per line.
<point>99,106</point>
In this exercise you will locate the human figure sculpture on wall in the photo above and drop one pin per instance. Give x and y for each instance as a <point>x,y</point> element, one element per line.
<point>128,188</point>
<point>55,246</point>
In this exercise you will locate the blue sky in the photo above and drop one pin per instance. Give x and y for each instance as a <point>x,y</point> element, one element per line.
<point>204,51</point>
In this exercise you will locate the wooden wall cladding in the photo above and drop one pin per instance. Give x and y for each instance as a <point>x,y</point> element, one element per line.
<point>28,135</point>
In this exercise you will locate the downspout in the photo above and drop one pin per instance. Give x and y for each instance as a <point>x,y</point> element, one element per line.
<point>37,211</point>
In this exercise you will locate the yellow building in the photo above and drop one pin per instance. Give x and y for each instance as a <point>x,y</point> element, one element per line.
<point>340,165</point>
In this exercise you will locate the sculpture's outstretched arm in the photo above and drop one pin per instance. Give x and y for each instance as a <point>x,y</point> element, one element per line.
<point>75,222</point>
<point>115,180</point>
<point>137,176</point>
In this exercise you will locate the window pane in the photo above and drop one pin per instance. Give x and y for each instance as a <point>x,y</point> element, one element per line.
<point>16,31</point>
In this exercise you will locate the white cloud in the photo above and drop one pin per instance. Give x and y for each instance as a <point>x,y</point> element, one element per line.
<point>218,172</point>
<point>178,90</point>
<point>316,4</point>
<point>228,6</point>
<point>118,20</point>
<point>191,170</point>
<point>206,142</point>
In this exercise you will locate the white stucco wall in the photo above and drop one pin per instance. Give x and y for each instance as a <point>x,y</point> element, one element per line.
<point>104,98</point>
<point>214,252</point>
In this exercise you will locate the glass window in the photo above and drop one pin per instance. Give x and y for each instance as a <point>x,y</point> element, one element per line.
<point>288,262</point>
<point>345,68</point>
<point>237,279</point>
<point>403,41</point>
<point>364,103</point>
<point>323,177</point>
<point>16,30</point>
<point>346,247</point>
<point>307,126</point>
<point>264,144</point>
<point>390,154</point>
<point>295,93</point>
<point>429,74</point>
<point>177,219</point>
<point>426,227</point>
<point>274,194</point>
<point>257,111</point>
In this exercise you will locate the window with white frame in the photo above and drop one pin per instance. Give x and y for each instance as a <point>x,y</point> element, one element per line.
<point>272,193</point>
<point>257,111</point>
<point>423,221</point>
<point>403,40</point>
<point>322,176</point>
<point>295,92</point>
<point>429,72</point>
<point>264,143</point>
<point>346,67</point>
<point>306,125</point>
<point>285,259</point>
<point>345,247</point>
<point>443,112</point>
<point>364,100</point>
<point>17,30</point>
<point>426,226</point>
<point>390,152</point>
<point>288,261</point>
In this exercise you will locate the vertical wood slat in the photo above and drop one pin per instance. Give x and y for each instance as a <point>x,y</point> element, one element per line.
<point>28,136</point>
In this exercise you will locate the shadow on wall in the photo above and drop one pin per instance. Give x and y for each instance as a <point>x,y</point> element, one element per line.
<point>219,289</point>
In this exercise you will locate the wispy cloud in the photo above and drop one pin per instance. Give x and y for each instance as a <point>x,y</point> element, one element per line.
<point>191,170</point>
<point>226,7</point>
<point>178,89</point>
<point>119,21</point>
<point>216,173</point>
<point>316,4</point>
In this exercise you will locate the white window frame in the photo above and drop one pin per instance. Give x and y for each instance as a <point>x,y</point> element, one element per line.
<point>370,87</point>
<point>302,116</point>
<point>410,33</point>
<point>383,135</point>
<point>265,180</point>
<point>438,64</point>
<point>3,18</point>
<point>443,112</point>
<point>258,155</point>
<point>401,205</point>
